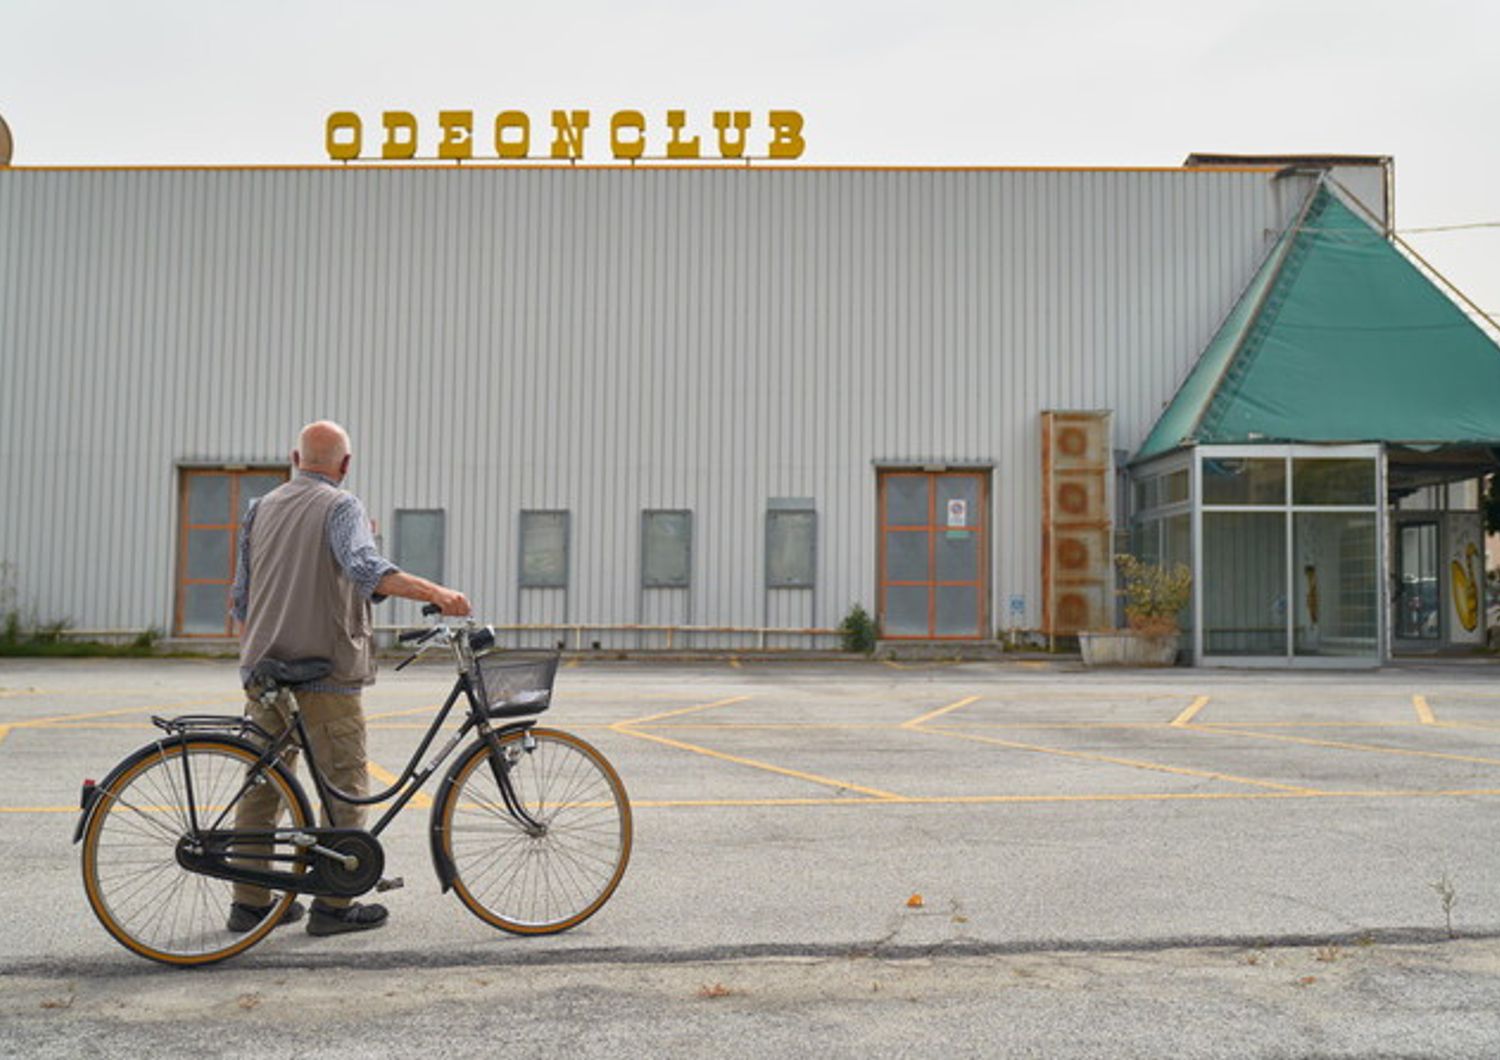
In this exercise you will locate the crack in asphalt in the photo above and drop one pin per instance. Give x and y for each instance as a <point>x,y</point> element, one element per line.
<point>882,948</point>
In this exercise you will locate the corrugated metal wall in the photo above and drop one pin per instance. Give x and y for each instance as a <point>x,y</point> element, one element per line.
<point>597,340</point>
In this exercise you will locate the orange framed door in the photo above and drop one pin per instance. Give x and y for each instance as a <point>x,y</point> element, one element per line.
<point>212,502</point>
<point>934,549</point>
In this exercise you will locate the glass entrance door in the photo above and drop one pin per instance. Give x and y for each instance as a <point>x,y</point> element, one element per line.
<point>1418,602</point>
<point>933,544</point>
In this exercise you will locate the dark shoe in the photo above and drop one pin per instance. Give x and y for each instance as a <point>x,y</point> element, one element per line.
<point>243,917</point>
<point>327,920</point>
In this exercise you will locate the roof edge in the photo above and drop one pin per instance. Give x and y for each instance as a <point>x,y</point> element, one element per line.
<point>380,165</point>
<point>1240,320</point>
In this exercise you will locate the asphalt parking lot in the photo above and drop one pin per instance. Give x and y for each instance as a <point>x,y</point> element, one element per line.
<point>1267,849</point>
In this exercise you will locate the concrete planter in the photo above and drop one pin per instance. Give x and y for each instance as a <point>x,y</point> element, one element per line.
<point>1124,647</point>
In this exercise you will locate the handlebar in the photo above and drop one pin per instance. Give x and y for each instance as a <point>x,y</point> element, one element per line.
<point>479,638</point>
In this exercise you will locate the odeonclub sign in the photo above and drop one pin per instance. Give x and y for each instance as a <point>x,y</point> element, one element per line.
<point>734,136</point>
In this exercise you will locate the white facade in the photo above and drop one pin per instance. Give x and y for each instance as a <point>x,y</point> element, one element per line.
<point>596,340</point>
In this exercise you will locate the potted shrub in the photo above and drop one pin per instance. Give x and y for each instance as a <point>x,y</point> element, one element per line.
<point>1154,596</point>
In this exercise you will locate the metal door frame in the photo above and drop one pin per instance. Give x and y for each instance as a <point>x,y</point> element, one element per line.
<point>1399,522</point>
<point>182,518</point>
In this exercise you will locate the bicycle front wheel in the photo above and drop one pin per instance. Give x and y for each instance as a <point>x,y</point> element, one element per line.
<point>535,881</point>
<point>139,891</point>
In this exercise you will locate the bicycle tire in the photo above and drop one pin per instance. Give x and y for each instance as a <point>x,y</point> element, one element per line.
<point>144,898</point>
<point>525,884</point>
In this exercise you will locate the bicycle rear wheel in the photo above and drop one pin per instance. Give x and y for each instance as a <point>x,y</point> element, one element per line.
<point>535,884</point>
<point>149,902</point>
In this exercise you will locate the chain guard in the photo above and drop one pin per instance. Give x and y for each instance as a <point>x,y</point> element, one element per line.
<point>345,882</point>
<point>214,853</point>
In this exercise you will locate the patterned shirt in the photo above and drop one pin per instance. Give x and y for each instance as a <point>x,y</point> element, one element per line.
<point>353,547</point>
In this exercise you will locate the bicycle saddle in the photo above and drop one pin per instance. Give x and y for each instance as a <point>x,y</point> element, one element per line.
<point>296,672</point>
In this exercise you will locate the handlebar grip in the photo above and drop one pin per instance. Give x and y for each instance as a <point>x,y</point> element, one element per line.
<point>429,610</point>
<point>481,639</point>
<point>412,636</point>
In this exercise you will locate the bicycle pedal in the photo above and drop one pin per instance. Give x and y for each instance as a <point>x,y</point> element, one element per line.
<point>393,883</point>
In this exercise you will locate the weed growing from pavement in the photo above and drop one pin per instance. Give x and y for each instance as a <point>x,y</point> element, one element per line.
<point>1448,896</point>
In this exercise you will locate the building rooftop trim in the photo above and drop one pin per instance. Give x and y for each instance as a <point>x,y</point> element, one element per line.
<point>377,165</point>
<point>1202,159</point>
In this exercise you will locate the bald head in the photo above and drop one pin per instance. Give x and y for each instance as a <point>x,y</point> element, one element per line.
<point>323,447</point>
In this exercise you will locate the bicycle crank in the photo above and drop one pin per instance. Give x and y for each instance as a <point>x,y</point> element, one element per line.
<point>347,864</point>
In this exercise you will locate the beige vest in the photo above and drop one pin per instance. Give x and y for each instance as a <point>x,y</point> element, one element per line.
<point>302,604</point>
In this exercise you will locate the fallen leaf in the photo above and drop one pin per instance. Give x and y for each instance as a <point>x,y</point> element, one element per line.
<point>1307,980</point>
<point>915,902</point>
<point>249,1001</point>
<point>714,990</point>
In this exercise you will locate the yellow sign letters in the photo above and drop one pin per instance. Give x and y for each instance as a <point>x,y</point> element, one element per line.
<point>629,135</point>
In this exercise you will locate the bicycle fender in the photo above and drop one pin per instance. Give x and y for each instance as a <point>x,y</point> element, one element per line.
<point>447,872</point>
<point>91,795</point>
<point>92,798</point>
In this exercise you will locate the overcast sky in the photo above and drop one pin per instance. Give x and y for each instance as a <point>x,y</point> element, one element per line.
<point>1047,82</point>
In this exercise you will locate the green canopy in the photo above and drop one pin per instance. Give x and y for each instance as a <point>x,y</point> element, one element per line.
<point>1338,338</point>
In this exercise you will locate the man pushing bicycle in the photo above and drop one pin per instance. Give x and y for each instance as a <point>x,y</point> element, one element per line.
<point>307,574</point>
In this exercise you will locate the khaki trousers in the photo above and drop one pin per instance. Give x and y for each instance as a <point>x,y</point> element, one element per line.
<point>335,724</point>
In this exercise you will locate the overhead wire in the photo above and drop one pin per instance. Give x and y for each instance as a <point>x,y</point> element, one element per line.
<point>1451,228</point>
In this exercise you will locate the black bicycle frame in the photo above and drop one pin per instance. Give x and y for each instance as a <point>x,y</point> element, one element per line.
<point>407,784</point>
<point>411,780</point>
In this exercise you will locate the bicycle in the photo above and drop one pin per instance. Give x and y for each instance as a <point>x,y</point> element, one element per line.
<point>530,827</point>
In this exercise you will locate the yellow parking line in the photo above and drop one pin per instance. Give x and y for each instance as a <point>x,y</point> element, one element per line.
<point>1190,713</point>
<point>841,785</point>
<point>1345,746</point>
<point>93,726</point>
<point>386,777</point>
<point>629,728</point>
<point>1424,712</point>
<point>992,800</point>
<point>1315,724</point>
<point>153,708</point>
<point>33,723</point>
<point>680,711</point>
<point>4,732</point>
<point>430,709</point>
<point>1156,796</point>
<point>917,722</point>
<point>12,693</point>
<point>1156,767</point>
<point>1472,726</point>
<point>779,726</point>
